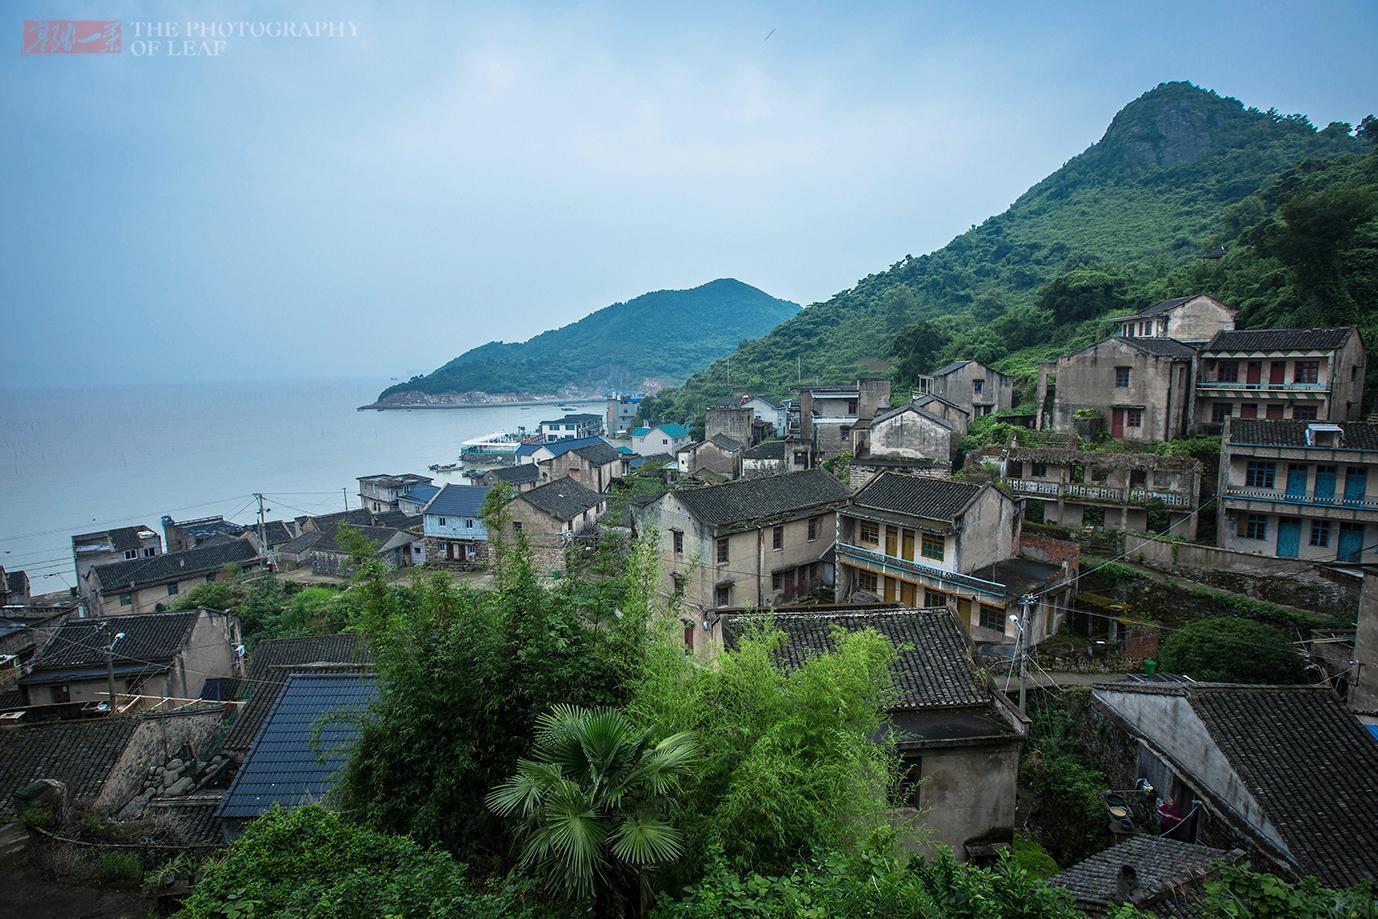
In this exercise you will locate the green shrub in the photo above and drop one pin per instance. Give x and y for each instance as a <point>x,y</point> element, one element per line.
<point>1225,649</point>
<point>1032,857</point>
<point>120,868</point>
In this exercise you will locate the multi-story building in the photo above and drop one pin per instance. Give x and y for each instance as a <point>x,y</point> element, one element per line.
<point>594,465</point>
<point>1299,489</point>
<point>660,439</point>
<point>753,542</point>
<point>1139,388</point>
<point>573,427</point>
<point>122,544</point>
<point>931,542</point>
<point>973,386</point>
<point>453,526</point>
<point>550,516</point>
<point>1098,488</point>
<point>827,414</point>
<point>906,432</point>
<point>1300,374</point>
<point>1195,318</point>
<point>380,492</point>
<point>621,413</point>
<point>147,585</point>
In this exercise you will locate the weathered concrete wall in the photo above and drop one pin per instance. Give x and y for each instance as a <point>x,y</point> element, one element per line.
<point>1160,386</point>
<point>959,386</point>
<point>1365,682</point>
<point>912,435</point>
<point>988,531</point>
<point>732,422</point>
<point>1199,320</point>
<point>969,794</point>
<point>155,740</point>
<point>875,396</point>
<point>210,653</point>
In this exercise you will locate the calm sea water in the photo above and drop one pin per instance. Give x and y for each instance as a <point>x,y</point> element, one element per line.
<point>74,460</point>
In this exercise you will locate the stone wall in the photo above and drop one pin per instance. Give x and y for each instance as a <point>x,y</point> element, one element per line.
<point>155,741</point>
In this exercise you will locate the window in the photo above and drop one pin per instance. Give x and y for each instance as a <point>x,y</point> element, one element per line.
<point>992,618</point>
<point>1320,533</point>
<point>1304,412</point>
<point>1306,372</point>
<point>1256,527</point>
<point>851,406</point>
<point>1259,474</point>
<point>777,580</point>
<point>1038,470</point>
<point>977,386</point>
<point>1274,412</point>
<point>1228,372</point>
<point>866,580</point>
<point>131,553</point>
<point>813,528</point>
<point>516,526</point>
<point>870,532</point>
<point>932,547</point>
<point>442,521</point>
<point>172,590</point>
<point>126,599</point>
<point>1220,411</point>
<point>1121,377</point>
<point>934,598</point>
<point>468,524</point>
<point>1134,417</point>
<point>722,548</point>
<point>844,431</point>
<point>723,595</point>
<point>150,552</point>
<point>1248,410</point>
<point>777,538</point>
<point>60,694</point>
<point>679,541</point>
<point>679,581</point>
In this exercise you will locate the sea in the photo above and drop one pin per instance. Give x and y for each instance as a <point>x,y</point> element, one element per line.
<point>77,460</point>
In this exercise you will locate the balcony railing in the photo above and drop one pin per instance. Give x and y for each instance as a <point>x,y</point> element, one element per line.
<point>937,574</point>
<point>1106,494</point>
<point>1303,500</point>
<point>1261,387</point>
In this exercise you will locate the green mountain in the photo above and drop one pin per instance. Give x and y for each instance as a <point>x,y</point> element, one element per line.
<point>664,336</point>
<point>1179,172</point>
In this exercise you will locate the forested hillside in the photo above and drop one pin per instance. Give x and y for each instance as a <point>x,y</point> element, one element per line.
<point>1179,172</point>
<point>664,335</point>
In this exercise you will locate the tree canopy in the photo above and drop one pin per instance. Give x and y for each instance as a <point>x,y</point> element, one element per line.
<point>1227,649</point>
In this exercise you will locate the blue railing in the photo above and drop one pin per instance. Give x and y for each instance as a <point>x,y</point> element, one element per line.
<point>993,588</point>
<point>1282,497</point>
<point>1281,387</point>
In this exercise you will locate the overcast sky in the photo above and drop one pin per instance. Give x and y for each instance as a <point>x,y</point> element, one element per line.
<point>458,173</point>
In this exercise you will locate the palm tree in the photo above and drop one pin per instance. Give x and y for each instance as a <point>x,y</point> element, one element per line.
<point>589,802</point>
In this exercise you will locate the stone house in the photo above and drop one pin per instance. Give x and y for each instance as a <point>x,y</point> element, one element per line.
<point>752,542</point>
<point>863,469</point>
<point>522,477</point>
<point>573,427</point>
<point>766,458</point>
<point>1098,488</point>
<point>1298,374</point>
<point>1139,388</point>
<point>971,385</point>
<point>827,414</point>
<point>550,516</point>
<point>662,438</point>
<point>1285,773</point>
<point>719,455</point>
<point>1299,489</point>
<point>379,493</point>
<point>159,655</point>
<point>923,541</point>
<point>1196,318</point>
<point>595,465</point>
<point>145,585</point>
<point>958,740</point>
<point>768,416</point>
<point>452,524</point>
<point>15,589</point>
<point>324,553</point>
<point>122,544</point>
<point>951,412</point>
<point>907,432</point>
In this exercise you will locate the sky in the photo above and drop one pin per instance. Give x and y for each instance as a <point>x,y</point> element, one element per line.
<point>446,174</point>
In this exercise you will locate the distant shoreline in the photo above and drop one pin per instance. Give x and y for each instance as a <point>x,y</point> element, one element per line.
<point>392,407</point>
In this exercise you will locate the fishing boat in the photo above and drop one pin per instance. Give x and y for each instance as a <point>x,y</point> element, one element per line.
<point>443,467</point>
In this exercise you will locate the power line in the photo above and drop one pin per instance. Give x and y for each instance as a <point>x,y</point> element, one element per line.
<point>80,527</point>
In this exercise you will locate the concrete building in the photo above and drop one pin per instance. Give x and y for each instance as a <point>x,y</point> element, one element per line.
<point>827,414</point>
<point>1097,488</point>
<point>522,477</point>
<point>595,465</point>
<point>950,412</point>
<point>753,542</point>
<point>972,386</point>
<point>1283,772</point>
<point>158,655</point>
<point>1139,389</point>
<point>122,544</point>
<point>923,541</point>
<point>959,741</point>
<point>573,427</point>
<point>717,458</point>
<point>1298,374</point>
<point>452,523</point>
<point>417,497</point>
<point>662,438</point>
<point>1299,489</point>
<point>732,421</point>
<point>552,515</point>
<point>907,432</point>
<point>180,535</point>
<point>379,493</point>
<point>766,458</point>
<point>1196,318</point>
<point>145,585</point>
<point>621,413</point>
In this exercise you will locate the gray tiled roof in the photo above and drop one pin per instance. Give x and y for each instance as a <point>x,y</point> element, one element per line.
<point>519,474</point>
<point>359,516</point>
<point>910,407</point>
<point>918,496</point>
<point>934,668</point>
<point>1280,339</point>
<point>766,497</point>
<point>1162,347</point>
<point>153,637</point>
<point>80,754</point>
<point>344,648</point>
<point>173,566</point>
<point>1310,764</point>
<point>730,444</point>
<point>1285,432</point>
<point>562,499</point>
<point>302,744</point>
<point>948,368</point>
<point>1164,306</point>
<point>194,817</point>
<point>1165,869</point>
<point>927,398</point>
<point>327,540</point>
<point>771,449</point>
<point>599,454</point>
<point>122,539</point>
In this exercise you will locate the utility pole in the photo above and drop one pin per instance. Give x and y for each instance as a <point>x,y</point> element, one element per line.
<point>110,666</point>
<point>345,492</point>
<point>262,531</point>
<point>1024,657</point>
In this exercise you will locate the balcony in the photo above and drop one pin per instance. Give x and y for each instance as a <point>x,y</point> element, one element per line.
<point>1241,386</point>
<point>1100,494</point>
<point>879,560</point>
<point>1363,503</point>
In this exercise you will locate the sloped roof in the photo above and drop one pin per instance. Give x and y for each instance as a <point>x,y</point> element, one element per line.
<point>422,492</point>
<point>1161,347</point>
<point>173,566</point>
<point>1165,869</point>
<point>328,540</point>
<point>458,501</point>
<point>268,682</point>
<point>928,397</point>
<point>121,539</point>
<point>730,444</point>
<point>769,496</point>
<point>1286,432</point>
<point>562,499</point>
<point>934,668</point>
<point>1280,339</point>
<point>948,368</point>
<point>910,407</point>
<point>344,648</point>
<point>558,447</point>
<point>770,449</point>
<point>303,742</point>
<point>150,637</point>
<point>918,496</point>
<point>599,454</point>
<point>515,475</point>
<point>80,754</point>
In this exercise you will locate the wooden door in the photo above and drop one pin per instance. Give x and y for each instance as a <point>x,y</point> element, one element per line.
<point>1117,422</point>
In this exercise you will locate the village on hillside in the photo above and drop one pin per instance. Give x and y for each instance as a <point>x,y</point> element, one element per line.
<point>1113,544</point>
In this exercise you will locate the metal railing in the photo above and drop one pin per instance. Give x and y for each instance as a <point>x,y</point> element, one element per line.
<point>1108,494</point>
<point>1257,387</point>
<point>938,574</point>
<point>1363,502</point>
